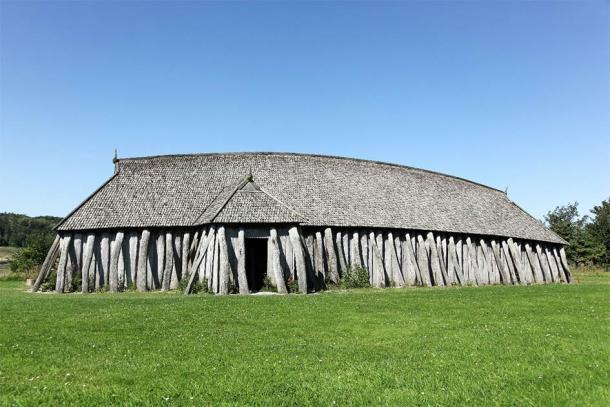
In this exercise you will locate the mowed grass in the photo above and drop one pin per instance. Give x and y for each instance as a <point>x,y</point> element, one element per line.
<point>535,345</point>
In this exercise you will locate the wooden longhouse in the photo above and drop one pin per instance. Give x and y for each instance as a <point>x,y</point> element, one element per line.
<point>237,221</point>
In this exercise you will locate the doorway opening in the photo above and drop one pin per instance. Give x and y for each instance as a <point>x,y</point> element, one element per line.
<point>256,263</point>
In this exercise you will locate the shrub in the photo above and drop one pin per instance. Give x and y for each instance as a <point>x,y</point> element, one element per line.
<point>200,287</point>
<point>197,287</point>
<point>293,285</point>
<point>355,277</point>
<point>267,285</point>
<point>49,284</point>
<point>31,256</point>
<point>183,283</point>
<point>77,282</point>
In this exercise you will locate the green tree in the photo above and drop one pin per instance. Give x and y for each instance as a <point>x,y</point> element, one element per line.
<point>16,229</point>
<point>565,221</point>
<point>599,227</point>
<point>584,247</point>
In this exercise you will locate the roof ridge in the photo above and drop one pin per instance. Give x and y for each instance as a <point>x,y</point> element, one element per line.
<point>279,153</point>
<point>239,185</point>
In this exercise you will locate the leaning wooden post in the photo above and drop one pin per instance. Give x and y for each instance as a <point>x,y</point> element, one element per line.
<point>78,252</point>
<point>142,260</point>
<point>202,249</point>
<point>364,250</point>
<point>319,258</point>
<point>133,258</point>
<point>340,254</point>
<point>411,247</point>
<point>113,278</point>
<point>496,249</point>
<point>409,265</point>
<point>169,262</point>
<point>482,275</point>
<point>295,239</point>
<point>435,260</point>
<point>566,268</point>
<point>275,263</point>
<point>396,272</point>
<point>560,270</point>
<point>355,250</point>
<point>224,266</point>
<point>453,259</point>
<point>534,264</point>
<point>546,272</point>
<point>176,271</point>
<point>63,261</point>
<point>423,261</point>
<point>72,265</point>
<point>331,256</point>
<point>240,253</point>
<point>104,260</point>
<point>186,243</point>
<point>87,260</point>
<point>552,264</point>
<point>47,264</point>
<point>378,272</point>
<point>210,259</point>
<point>516,255</point>
<point>509,262</point>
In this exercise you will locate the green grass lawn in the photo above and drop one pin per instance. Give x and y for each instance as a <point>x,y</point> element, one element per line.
<point>536,345</point>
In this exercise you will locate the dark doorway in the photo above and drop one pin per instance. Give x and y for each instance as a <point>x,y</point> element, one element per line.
<point>256,263</point>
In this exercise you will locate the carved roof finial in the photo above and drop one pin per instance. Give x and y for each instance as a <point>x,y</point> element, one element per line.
<point>115,158</point>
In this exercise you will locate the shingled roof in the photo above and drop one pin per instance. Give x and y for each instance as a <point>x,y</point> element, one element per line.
<point>184,190</point>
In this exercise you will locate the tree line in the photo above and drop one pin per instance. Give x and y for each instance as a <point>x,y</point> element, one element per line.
<point>17,230</point>
<point>588,235</point>
<point>33,235</point>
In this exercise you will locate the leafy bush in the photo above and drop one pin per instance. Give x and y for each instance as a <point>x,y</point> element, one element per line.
<point>267,284</point>
<point>197,287</point>
<point>33,255</point>
<point>355,277</point>
<point>77,282</point>
<point>183,283</point>
<point>233,288</point>
<point>293,285</point>
<point>49,284</point>
<point>200,287</point>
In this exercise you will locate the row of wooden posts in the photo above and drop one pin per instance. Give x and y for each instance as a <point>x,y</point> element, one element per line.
<point>312,258</point>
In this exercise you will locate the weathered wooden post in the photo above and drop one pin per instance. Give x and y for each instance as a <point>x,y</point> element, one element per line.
<point>142,260</point>
<point>63,261</point>
<point>47,264</point>
<point>295,238</point>
<point>275,263</point>
<point>329,245</point>
<point>113,279</point>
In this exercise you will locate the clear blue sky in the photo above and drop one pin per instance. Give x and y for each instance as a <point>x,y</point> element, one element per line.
<point>506,94</point>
